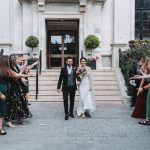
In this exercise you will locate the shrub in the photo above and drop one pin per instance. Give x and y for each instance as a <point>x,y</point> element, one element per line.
<point>91,42</point>
<point>32,42</point>
<point>130,56</point>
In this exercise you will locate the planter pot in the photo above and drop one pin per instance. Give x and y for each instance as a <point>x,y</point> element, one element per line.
<point>92,64</point>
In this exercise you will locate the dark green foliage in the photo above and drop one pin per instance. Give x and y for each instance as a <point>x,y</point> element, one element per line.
<point>132,43</point>
<point>128,57</point>
<point>32,42</point>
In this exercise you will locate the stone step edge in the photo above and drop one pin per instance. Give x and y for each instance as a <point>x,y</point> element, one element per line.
<point>118,100</point>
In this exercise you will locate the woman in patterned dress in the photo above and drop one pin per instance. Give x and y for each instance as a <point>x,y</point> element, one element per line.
<point>17,105</point>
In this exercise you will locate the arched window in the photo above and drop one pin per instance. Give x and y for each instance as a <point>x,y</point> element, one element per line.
<point>142,19</point>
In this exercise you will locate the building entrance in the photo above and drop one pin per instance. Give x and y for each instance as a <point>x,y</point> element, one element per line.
<point>62,41</point>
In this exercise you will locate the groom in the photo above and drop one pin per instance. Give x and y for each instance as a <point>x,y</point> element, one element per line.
<point>67,79</point>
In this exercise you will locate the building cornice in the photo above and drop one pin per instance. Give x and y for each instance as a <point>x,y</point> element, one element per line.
<point>82,3</point>
<point>6,44</point>
<point>63,1</point>
<point>72,1</point>
<point>25,1</point>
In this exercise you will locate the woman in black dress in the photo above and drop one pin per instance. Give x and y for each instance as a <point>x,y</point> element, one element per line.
<point>17,106</point>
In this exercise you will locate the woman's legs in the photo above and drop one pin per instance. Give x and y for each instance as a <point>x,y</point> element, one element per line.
<point>1,123</point>
<point>2,132</point>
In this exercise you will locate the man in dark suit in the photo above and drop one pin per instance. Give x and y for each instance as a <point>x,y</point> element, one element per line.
<point>132,72</point>
<point>67,79</point>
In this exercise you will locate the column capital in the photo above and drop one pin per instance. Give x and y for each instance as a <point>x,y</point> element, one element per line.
<point>41,5</point>
<point>25,1</point>
<point>83,5</point>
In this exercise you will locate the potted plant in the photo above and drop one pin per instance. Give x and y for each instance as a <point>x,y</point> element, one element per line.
<point>91,42</point>
<point>32,42</point>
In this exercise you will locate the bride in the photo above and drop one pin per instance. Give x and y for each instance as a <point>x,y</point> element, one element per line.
<point>84,81</point>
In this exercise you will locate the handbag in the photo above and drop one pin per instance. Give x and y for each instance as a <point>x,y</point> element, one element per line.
<point>2,97</point>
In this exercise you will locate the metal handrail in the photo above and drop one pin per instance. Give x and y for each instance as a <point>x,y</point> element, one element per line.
<point>37,82</point>
<point>40,59</point>
<point>38,71</point>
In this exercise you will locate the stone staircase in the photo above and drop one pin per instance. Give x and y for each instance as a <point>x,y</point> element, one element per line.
<point>105,86</point>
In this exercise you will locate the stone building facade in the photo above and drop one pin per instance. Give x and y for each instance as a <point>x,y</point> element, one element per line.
<point>62,25</point>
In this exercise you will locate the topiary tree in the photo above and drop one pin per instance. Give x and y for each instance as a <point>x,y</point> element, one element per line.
<point>32,42</point>
<point>91,42</point>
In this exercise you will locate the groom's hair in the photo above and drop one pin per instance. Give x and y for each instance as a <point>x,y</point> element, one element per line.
<point>69,57</point>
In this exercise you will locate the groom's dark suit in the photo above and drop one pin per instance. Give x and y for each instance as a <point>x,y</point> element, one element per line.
<point>68,82</point>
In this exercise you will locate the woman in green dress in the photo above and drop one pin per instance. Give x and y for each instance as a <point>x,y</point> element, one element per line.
<point>3,90</point>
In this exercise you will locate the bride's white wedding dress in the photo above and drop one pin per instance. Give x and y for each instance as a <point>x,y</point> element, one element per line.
<point>87,102</point>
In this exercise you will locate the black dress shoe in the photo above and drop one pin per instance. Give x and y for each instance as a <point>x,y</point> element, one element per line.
<point>72,116</point>
<point>66,117</point>
<point>132,105</point>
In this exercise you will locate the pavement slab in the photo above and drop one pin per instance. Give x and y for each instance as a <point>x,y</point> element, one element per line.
<point>110,128</point>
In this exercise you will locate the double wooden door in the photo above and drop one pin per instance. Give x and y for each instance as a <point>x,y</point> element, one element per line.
<point>61,44</point>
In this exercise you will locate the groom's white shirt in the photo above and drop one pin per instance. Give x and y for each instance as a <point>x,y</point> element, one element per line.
<point>69,69</point>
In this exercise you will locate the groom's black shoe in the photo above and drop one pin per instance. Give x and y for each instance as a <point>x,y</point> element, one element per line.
<point>72,116</point>
<point>66,117</point>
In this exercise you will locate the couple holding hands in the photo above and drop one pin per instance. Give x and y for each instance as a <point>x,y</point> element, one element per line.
<point>70,77</point>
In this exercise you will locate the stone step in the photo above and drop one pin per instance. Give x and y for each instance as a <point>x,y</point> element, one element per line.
<point>55,78</point>
<point>99,82</point>
<point>77,98</point>
<point>96,88</point>
<point>96,93</point>
<point>110,73</point>
<point>104,84</point>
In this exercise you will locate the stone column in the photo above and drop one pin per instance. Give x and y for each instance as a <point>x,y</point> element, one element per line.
<point>26,22</point>
<point>41,23</point>
<point>83,5</point>
<point>121,28</point>
<point>92,25</point>
<point>35,24</point>
<point>115,54</point>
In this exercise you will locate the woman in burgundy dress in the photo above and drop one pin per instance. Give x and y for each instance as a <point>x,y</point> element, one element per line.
<point>140,105</point>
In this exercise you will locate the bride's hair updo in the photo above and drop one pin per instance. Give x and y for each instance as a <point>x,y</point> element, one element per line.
<point>82,58</point>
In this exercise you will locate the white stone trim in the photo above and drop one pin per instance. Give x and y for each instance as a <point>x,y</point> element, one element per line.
<point>42,30</point>
<point>122,86</point>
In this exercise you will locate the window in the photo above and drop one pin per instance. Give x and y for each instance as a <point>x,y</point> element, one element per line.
<point>142,19</point>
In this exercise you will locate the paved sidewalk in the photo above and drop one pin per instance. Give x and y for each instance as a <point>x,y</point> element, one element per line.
<point>110,128</point>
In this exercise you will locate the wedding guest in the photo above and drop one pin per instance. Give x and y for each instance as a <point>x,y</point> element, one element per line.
<point>17,107</point>
<point>140,105</point>
<point>146,121</point>
<point>4,91</point>
<point>5,74</point>
<point>136,69</point>
<point>22,65</point>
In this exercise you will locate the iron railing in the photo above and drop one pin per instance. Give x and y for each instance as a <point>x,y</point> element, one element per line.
<point>38,71</point>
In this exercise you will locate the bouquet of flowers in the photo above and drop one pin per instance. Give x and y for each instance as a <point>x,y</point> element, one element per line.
<point>81,72</point>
